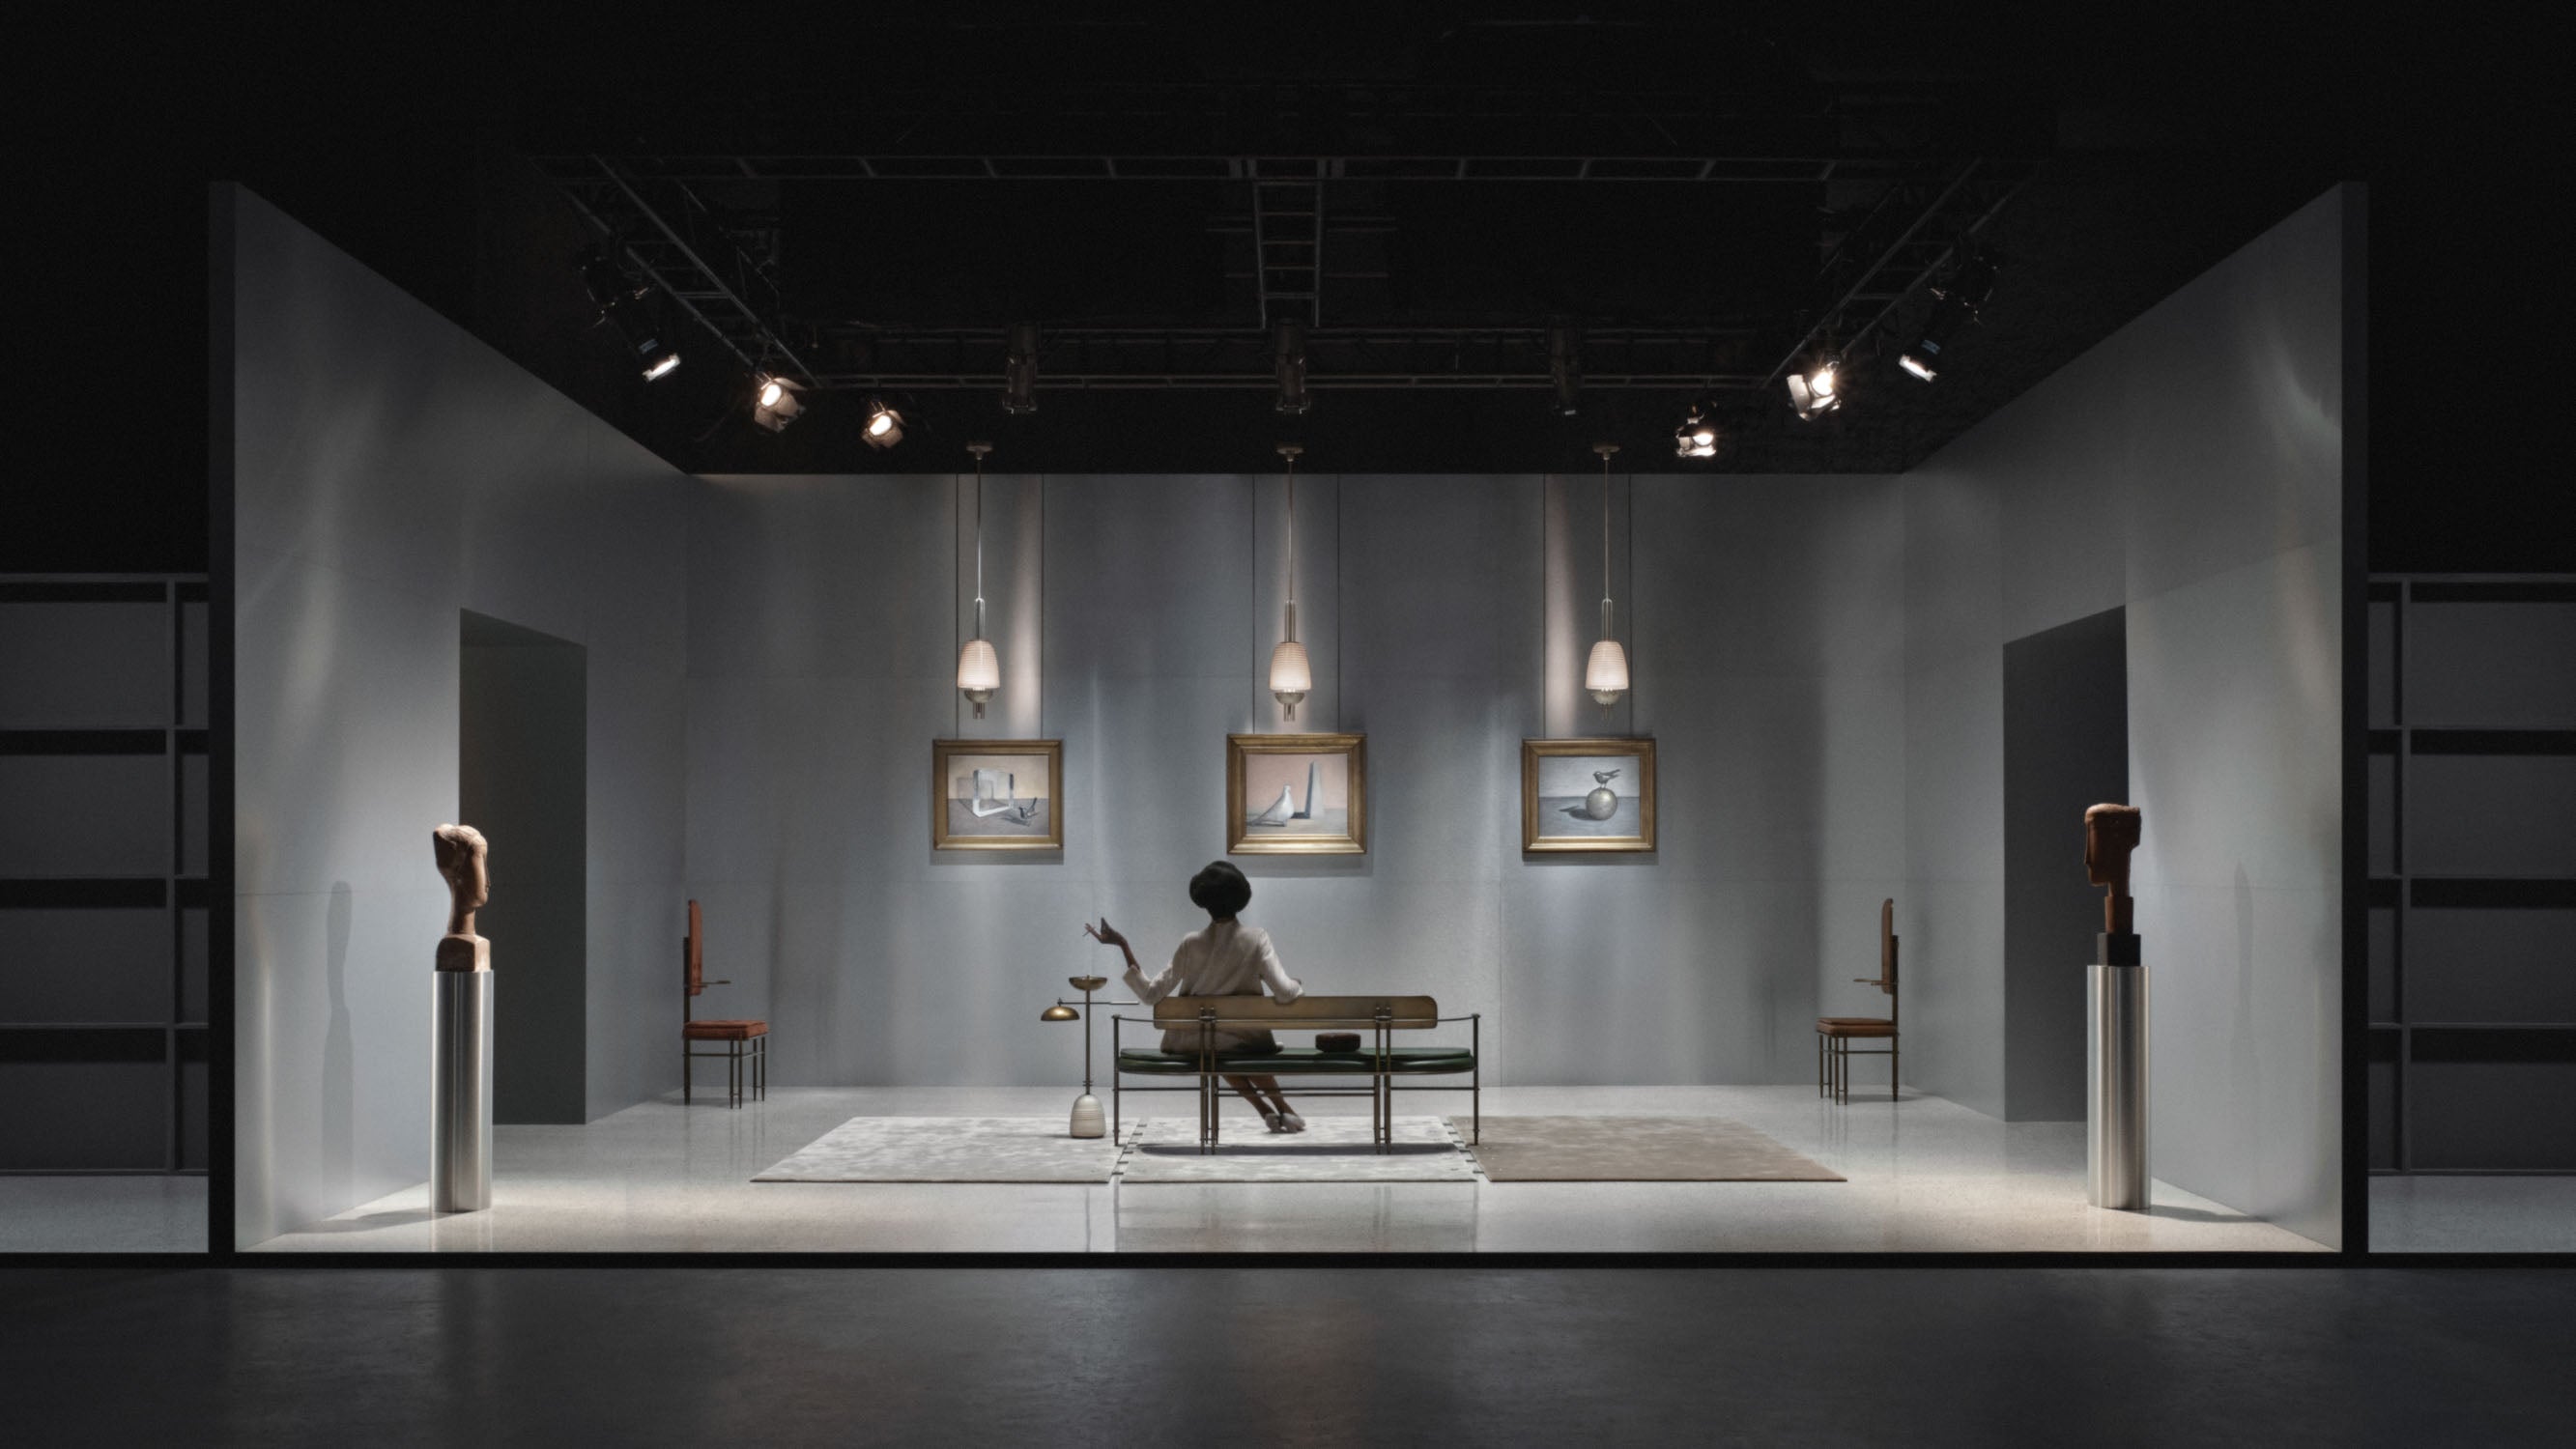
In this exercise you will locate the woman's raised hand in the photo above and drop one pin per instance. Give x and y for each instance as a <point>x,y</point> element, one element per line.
<point>1105,933</point>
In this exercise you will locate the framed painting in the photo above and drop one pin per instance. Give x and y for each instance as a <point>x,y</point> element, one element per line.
<point>1296,794</point>
<point>1587,795</point>
<point>997,794</point>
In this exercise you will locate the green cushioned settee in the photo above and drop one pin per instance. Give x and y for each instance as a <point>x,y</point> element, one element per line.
<point>1379,1059</point>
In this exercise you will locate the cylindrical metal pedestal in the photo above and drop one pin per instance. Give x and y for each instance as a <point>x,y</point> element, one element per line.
<point>460,1100</point>
<point>2115,1088</point>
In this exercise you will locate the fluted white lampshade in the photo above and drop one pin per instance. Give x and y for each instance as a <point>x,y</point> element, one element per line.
<point>1606,672</point>
<point>1290,675</point>
<point>979,672</point>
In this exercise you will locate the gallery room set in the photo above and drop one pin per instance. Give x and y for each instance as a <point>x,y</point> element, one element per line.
<point>1294,728</point>
<point>1617,853</point>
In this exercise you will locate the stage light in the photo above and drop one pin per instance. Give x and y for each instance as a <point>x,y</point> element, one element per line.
<point>1565,368</point>
<point>1818,391</point>
<point>1954,307</point>
<point>885,425</point>
<point>1289,348</point>
<point>1697,436</point>
<point>623,303</point>
<point>1020,370</point>
<point>774,403</point>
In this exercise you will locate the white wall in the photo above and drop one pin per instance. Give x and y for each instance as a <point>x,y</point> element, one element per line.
<point>1768,665</point>
<point>391,472</point>
<point>2190,468</point>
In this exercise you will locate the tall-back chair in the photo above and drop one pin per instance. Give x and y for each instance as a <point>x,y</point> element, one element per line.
<point>1835,1034</point>
<point>746,1043</point>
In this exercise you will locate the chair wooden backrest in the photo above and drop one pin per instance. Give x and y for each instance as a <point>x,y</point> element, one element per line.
<point>1352,1013</point>
<point>1886,978</point>
<point>693,964</point>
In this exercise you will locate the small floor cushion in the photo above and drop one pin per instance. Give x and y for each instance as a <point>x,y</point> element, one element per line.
<point>723,1030</point>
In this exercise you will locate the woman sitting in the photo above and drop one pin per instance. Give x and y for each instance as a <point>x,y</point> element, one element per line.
<point>1229,958</point>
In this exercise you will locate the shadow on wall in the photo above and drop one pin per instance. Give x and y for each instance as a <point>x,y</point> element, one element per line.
<point>339,1146</point>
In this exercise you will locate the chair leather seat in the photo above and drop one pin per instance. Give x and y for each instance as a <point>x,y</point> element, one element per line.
<point>1855,1026</point>
<point>723,1030</point>
<point>1301,1061</point>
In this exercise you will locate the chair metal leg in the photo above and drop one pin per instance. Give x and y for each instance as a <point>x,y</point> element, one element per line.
<point>684,1074</point>
<point>1892,1060</point>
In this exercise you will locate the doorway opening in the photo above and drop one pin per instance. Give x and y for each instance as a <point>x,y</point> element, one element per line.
<point>522,779</point>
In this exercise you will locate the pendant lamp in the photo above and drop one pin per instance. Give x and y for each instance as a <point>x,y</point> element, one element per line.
<point>1291,677</point>
<point>1605,674</point>
<point>979,669</point>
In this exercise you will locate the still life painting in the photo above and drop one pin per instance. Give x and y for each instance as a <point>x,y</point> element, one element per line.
<point>1596,795</point>
<point>1296,794</point>
<point>997,794</point>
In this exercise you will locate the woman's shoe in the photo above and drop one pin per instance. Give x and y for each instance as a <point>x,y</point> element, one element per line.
<point>1277,1123</point>
<point>1291,1122</point>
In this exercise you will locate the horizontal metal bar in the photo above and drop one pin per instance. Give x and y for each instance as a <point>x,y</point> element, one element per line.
<point>1592,382</point>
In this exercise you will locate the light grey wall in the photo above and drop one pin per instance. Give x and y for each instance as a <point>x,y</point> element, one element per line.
<point>821,649</point>
<point>390,473</point>
<point>2190,467</point>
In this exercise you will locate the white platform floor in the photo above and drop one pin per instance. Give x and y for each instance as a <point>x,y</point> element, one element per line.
<point>2473,1214</point>
<point>132,1213</point>
<point>1925,1175</point>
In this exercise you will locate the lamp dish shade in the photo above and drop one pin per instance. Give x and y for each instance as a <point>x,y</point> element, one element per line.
<point>978,667</point>
<point>1059,1012</point>
<point>1289,671</point>
<point>1606,672</point>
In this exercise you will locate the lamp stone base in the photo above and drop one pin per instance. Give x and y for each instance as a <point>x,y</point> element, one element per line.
<point>1087,1121</point>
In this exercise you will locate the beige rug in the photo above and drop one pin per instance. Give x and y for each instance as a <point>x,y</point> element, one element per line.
<point>1635,1149</point>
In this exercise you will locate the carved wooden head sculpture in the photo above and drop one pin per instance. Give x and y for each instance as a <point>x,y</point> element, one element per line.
<point>460,850</point>
<point>2110,833</point>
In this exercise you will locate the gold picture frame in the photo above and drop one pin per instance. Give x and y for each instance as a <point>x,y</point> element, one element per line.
<point>1627,828</point>
<point>1336,766</point>
<point>962,784</point>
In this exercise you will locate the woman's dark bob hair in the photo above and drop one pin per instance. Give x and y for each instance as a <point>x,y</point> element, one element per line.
<point>1220,890</point>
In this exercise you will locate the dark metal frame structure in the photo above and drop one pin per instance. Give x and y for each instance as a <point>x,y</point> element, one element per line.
<point>1380,1091</point>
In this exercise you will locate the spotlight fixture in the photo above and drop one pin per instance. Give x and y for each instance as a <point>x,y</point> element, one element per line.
<point>1954,307</point>
<point>1819,391</point>
<point>623,303</point>
<point>1289,345</point>
<point>1020,370</point>
<point>1605,673</point>
<point>1697,436</point>
<point>979,669</point>
<point>1291,676</point>
<point>774,403</point>
<point>884,427</point>
<point>1565,368</point>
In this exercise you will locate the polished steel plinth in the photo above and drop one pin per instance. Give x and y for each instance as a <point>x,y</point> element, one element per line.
<point>2115,1088</point>
<point>460,1100</point>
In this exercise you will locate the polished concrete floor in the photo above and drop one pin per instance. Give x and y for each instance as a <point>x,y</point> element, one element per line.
<point>1924,1175</point>
<point>122,1214</point>
<point>1472,1355</point>
<point>2473,1214</point>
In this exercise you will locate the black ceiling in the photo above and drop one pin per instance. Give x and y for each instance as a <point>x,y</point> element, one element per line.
<point>1697,196</point>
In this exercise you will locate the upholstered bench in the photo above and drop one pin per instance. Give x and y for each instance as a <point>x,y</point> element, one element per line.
<point>1378,1058</point>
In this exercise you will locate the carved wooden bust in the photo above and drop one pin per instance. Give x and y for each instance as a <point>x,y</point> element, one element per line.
<point>2110,834</point>
<point>459,850</point>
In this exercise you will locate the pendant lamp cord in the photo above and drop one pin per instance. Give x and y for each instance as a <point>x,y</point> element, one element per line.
<point>979,544</point>
<point>1292,532</point>
<point>1605,545</point>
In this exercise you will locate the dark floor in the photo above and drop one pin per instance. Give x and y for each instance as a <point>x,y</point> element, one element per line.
<point>494,1357</point>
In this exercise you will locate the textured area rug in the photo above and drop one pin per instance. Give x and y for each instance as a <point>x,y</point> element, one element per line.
<point>1331,1149</point>
<point>951,1149</point>
<point>1636,1149</point>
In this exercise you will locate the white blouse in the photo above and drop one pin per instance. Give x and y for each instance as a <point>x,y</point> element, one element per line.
<point>1227,959</point>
